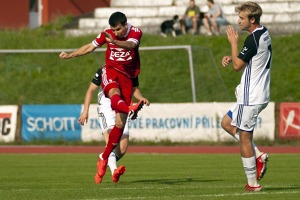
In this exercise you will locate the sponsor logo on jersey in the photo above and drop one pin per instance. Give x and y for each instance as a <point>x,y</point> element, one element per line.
<point>119,54</point>
<point>245,49</point>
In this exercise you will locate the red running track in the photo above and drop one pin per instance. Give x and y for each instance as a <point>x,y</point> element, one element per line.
<point>37,149</point>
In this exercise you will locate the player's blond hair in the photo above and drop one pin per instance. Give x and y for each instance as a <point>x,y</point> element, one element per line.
<point>252,8</point>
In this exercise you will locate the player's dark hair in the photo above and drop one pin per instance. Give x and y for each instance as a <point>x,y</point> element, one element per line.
<point>117,18</point>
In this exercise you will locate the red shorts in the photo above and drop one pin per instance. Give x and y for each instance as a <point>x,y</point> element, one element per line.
<point>112,78</point>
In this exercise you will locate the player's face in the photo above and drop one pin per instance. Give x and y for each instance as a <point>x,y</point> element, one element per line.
<point>119,30</point>
<point>243,21</point>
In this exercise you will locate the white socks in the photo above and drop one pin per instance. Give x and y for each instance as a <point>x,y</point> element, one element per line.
<point>112,162</point>
<point>250,170</point>
<point>250,164</point>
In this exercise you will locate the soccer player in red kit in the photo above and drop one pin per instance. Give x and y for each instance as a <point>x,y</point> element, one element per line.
<point>122,64</point>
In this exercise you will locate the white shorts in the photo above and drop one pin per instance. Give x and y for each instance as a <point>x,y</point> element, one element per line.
<point>106,115</point>
<point>245,117</point>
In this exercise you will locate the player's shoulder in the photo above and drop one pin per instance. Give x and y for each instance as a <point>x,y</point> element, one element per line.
<point>250,40</point>
<point>108,30</point>
<point>135,29</point>
<point>101,35</point>
<point>256,35</point>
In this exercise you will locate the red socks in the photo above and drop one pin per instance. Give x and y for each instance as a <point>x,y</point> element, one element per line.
<point>114,138</point>
<point>118,104</point>
<point>116,133</point>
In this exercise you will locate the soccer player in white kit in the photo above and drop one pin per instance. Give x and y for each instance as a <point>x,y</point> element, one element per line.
<point>107,121</point>
<point>253,93</point>
<point>261,157</point>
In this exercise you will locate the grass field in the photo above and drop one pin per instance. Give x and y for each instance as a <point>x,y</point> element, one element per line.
<point>148,176</point>
<point>45,79</point>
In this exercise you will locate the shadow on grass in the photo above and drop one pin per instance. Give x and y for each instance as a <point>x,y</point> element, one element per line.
<point>288,187</point>
<point>175,181</point>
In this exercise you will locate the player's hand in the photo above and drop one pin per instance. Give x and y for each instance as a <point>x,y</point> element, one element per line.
<point>146,101</point>
<point>64,55</point>
<point>108,37</point>
<point>226,60</point>
<point>83,119</point>
<point>232,35</point>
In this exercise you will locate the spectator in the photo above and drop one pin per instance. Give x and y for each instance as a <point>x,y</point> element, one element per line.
<point>191,18</point>
<point>214,17</point>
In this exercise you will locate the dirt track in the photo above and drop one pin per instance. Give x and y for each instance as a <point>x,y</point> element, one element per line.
<point>143,149</point>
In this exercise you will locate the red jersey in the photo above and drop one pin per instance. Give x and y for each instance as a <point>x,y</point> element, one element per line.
<point>123,60</point>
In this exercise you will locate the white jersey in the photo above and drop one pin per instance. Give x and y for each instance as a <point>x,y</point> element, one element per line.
<point>106,115</point>
<point>254,87</point>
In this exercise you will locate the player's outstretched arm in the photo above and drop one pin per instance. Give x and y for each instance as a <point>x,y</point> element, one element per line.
<point>85,49</point>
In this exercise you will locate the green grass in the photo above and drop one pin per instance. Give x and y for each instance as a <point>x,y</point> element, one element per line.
<point>148,176</point>
<point>45,79</point>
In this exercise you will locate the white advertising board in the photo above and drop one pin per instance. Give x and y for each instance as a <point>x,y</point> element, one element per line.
<point>190,122</point>
<point>182,122</point>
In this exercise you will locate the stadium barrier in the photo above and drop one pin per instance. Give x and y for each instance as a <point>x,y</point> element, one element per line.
<point>180,122</point>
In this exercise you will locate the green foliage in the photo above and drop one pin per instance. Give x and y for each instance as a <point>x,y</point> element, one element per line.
<point>58,24</point>
<point>148,176</point>
<point>45,79</point>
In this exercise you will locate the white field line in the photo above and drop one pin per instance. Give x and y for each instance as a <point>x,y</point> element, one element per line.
<point>204,195</point>
<point>172,187</point>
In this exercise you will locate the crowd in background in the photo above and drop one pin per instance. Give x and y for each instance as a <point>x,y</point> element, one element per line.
<point>211,16</point>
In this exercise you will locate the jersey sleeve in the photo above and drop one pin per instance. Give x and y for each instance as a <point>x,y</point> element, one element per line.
<point>249,49</point>
<point>99,40</point>
<point>97,78</point>
<point>135,82</point>
<point>135,35</point>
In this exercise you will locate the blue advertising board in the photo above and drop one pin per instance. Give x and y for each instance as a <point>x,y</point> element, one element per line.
<point>51,122</point>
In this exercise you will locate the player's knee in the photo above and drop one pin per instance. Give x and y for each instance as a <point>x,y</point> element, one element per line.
<point>224,124</point>
<point>119,154</point>
<point>120,124</point>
